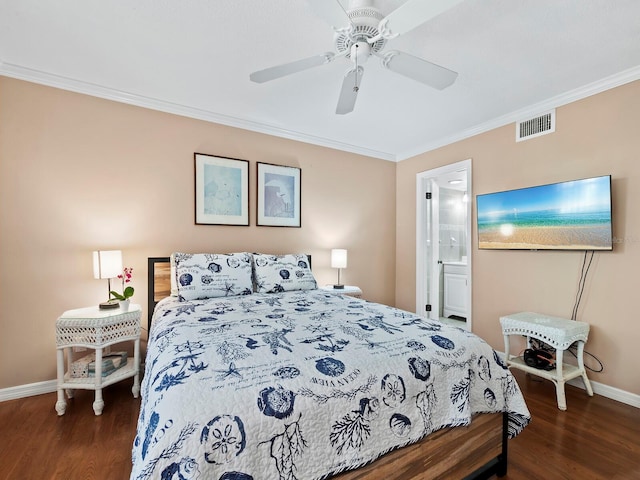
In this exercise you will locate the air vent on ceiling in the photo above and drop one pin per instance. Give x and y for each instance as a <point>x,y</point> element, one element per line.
<point>534,127</point>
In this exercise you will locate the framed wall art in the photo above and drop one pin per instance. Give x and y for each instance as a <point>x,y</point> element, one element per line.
<point>222,190</point>
<point>278,196</point>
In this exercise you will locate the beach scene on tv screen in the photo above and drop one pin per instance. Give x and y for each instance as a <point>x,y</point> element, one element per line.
<point>573,215</point>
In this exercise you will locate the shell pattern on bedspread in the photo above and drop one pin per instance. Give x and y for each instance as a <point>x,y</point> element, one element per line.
<point>302,385</point>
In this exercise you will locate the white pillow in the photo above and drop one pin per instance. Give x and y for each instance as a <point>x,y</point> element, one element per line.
<point>283,273</point>
<point>208,275</point>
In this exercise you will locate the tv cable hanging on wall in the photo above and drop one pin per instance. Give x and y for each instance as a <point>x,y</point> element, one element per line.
<point>586,265</point>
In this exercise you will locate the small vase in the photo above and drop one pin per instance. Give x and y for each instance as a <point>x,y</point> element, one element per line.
<point>124,304</point>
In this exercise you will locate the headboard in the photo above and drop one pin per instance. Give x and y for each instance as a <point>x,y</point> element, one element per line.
<point>159,283</point>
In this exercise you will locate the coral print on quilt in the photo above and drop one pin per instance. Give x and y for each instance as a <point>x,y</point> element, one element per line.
<point>303,384</point>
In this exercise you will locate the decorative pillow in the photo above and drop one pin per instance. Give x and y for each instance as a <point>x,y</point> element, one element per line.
<point>208,275</point>
<point>283,273</point>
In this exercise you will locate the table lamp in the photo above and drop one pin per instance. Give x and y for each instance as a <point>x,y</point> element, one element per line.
<point>339,261</point>
<point>107,264</point>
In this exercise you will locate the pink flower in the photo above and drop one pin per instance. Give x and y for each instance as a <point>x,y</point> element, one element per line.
<point>125,277</point>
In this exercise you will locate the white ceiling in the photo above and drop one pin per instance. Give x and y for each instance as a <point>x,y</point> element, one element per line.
<point>515,58</point>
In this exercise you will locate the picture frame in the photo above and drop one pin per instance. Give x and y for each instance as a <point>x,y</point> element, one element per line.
<point>221,190</point>
<point>278,196</point>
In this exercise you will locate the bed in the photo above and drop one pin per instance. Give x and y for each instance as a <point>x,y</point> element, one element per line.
<point>253,373</point>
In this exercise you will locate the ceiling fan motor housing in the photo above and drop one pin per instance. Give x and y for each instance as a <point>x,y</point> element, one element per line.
<point>365,22</point>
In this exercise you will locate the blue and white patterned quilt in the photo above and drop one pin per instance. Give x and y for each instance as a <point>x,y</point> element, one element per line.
<point>302,385</point>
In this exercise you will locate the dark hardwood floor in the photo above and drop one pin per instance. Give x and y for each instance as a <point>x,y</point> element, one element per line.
<point>596,438</point>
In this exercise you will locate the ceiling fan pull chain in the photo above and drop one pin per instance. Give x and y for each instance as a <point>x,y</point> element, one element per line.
<point>355,87</point>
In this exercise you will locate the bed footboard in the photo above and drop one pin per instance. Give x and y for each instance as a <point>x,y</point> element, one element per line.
<point>475,452</point>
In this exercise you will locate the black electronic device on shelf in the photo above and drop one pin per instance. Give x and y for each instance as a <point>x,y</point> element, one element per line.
<point>540,359</point>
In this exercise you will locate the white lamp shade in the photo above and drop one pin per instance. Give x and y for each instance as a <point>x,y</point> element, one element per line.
<point>107,263</point>
<point>338,258</point>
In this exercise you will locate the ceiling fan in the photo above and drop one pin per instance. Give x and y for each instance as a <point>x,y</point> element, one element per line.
<point>362,31</point>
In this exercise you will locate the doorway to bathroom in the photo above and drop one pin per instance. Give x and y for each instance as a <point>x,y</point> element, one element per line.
<point>443,244</point>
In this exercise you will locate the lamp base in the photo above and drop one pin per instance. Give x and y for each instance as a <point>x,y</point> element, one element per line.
<point>113,303</point>
<point>338,287</point>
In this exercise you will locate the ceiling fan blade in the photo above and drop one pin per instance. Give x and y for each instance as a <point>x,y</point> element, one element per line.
<point>419,69</point>
<point>349,92</point>
<point>279,71</point>
<point>412,14</point>
<point>331,12</point>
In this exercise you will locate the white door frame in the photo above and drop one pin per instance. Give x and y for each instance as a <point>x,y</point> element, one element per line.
<point>431,261</point>
<point>422,267</point>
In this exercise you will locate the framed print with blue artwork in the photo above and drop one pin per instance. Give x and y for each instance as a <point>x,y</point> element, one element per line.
<point>278,197</point>
<point>222,190</point>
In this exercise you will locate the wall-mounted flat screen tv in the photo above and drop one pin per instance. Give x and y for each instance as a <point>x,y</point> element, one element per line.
<point>574,215</point>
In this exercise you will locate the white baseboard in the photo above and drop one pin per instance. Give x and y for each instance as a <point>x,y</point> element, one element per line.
<point>28,390</point>
<point>31,389</point>
<point>609,392</point>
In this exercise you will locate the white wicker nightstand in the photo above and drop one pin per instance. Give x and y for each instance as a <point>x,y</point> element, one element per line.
<point>557,332</point>
<point>96,329</point>
<point>350,290</point>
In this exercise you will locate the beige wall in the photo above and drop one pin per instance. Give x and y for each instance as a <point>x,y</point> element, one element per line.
<point>594,136</point>
<point>79,173</point>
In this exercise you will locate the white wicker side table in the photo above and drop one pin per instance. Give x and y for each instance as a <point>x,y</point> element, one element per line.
<point>557,332</point>
<point>96,329</point>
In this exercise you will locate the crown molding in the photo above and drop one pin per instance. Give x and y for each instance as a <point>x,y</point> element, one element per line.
<point>580,93</point>
<point>64,83</point>
<point>36,76</point>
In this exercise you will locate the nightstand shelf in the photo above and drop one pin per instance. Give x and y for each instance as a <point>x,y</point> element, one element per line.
<point>87,383</point>
<point>96,329</point>
<point>568,371</point>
